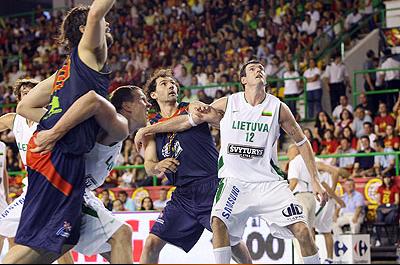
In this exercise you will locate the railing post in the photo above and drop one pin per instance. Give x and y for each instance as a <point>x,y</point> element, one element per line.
<point>354,90</point>
<point>397,164</point>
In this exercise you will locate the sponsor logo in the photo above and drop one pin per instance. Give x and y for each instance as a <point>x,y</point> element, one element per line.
<point>247,152</point>
<point>11,207</point>
<point>65,230</point>
<point>230,202</point>
<point>293,210</point>
<point>173,151</point>
<point>360,248</point>
<point>340,249</point>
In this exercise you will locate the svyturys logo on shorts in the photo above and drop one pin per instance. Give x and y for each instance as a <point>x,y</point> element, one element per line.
<point>247,152</point>
<point>293,212</point>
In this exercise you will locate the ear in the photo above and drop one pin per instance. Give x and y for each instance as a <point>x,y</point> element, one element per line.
<point>128,106</point>
<point>153,95</point>
<point>82,28</point>
<point>243,80</point>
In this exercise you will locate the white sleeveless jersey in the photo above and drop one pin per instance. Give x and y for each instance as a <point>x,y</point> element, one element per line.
<point>249,140</point>
<point>2,167</point>
<point>99,162</point>
<point>23,134</point>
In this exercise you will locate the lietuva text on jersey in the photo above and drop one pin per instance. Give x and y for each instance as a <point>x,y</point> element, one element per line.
<point>250,126</point>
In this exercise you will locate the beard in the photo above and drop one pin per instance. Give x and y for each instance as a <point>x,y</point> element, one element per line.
<point>109,40</point>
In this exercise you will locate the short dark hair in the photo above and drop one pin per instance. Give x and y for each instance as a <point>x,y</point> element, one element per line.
<point>123,94</point>
<point>380,142</point>
<point>370,54</point>
<point>123,192</point>
<point>70,34</point>
<point>365,137</point>
<point>151,85</point>
<point>242,72</point>
<point>23,82</point>
<point>368,123</point>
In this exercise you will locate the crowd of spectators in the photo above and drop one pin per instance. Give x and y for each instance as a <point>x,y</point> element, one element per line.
<point>205,42</point>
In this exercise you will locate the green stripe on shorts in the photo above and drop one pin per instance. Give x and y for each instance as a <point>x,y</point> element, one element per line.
<point>220,189</point>
<point>220,163</point>
<point>89,211</point>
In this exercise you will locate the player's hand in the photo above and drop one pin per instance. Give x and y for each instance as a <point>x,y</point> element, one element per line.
<point>341,204</point>
<point>45,141</point>
<point>141,139</point>
<point>168,165</point>
<point>319,192</point>
<point>205,114</point>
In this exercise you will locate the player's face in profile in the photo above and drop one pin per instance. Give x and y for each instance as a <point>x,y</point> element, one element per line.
<point>255,74</point>
<point>166,89</point>
<point>140,108</point>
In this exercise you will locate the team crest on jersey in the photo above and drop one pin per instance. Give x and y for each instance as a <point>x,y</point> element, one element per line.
<point>246,152</point>
<point>65,230</point>
<point>172,151</point>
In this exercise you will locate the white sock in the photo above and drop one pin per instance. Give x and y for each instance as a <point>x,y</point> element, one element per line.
<point>222,255</point>
<point>312,259</point>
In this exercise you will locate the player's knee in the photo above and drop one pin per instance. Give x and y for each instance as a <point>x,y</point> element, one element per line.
<point>154,243</point>
<point>123,235</point>
<point>302,233</point>
<point>217,224</point>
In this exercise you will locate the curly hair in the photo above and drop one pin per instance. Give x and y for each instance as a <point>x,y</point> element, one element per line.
<point>70,34</point>
<point>31,83</point>
<point>151,85</point>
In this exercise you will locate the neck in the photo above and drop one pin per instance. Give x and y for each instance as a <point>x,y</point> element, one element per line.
<point>167,109</point>
<point>254,95</point>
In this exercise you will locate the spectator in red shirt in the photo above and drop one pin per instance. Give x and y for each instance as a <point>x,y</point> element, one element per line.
<point>382,120</point>
<point>391,140</point>
<point>330,142</point>
<point>388,201</point>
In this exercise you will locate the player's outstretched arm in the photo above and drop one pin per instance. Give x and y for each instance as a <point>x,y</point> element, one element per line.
<point>199,112</point>
<point>32,105</point>
<point>291,127</point>
<point>92,47</point>
<point>89,105</point>
<point>7,121</point>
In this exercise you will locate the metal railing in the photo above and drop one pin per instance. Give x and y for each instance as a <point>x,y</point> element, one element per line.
<point>356,92</point>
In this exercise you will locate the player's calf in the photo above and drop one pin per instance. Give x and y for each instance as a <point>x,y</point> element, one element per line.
<point>121,246</point>
<point>309,250</point>
<point>152,249</point>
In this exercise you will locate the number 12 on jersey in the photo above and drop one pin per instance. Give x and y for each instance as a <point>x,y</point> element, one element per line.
<point>250,137</point>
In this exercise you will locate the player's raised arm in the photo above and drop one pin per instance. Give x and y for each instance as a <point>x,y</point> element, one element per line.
<point>32,105</point>
<point>89,105</point>
<point>92,47</point>
<point>291,127</point>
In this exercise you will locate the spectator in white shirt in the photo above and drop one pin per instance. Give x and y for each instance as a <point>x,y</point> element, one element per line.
<point>313,88</point>
<point>352,20</point>
<point>291,86</point>
<point>162,201</point>
<point>368,129</point>
<point>338,78</point>
<point>345,148</point>
<point>390,79</point>
<point>309,26</point>
<point>358,123</point>
<point>344,104</point>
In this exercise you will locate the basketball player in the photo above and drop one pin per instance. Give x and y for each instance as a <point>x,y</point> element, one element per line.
<point>251,183</point>
<point>49,227</point>
<point>23,130</point>
<point>4,198</point>
<point>189,160</point>
<point>99,228</point>
<point>324,215</point>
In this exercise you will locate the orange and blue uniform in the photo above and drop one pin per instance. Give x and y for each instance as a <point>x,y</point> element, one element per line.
<point>52,210</point>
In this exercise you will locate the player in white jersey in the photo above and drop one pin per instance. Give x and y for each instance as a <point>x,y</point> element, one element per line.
<point>4,199</point>
<point>251,183</point>
<point>101,232</point>
<point>324,215</point>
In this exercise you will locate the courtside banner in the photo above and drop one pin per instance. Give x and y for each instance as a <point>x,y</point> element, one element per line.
<point>263,247</point>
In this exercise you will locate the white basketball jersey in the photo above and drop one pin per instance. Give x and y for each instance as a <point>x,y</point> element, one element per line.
<point>23,134</point>
<point>99,162</point>
<point>249,137</point>
<point>2,167</point>
<point>327,178</point>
